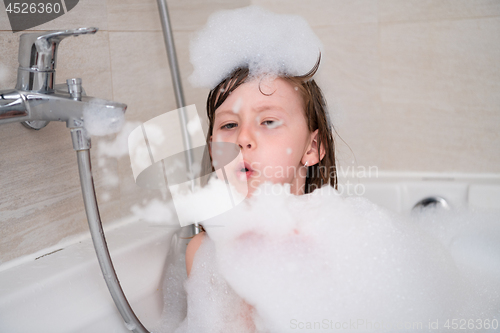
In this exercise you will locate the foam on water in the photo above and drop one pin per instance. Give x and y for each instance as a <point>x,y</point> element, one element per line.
<point>264,41</point>
<point>215,304</point>
<point>305,259</point>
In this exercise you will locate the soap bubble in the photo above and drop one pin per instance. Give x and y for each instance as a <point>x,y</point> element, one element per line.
<point>117,147</point>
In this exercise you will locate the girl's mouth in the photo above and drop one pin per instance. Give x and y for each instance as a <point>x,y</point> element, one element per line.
<point>244,171</point>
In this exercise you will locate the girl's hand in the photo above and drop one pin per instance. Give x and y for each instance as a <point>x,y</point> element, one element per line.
<point>191,249</point>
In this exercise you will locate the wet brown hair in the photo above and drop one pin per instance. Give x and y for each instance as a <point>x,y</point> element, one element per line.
<point>316,113</point>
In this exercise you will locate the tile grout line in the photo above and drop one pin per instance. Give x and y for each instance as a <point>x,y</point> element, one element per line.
<point>441,19</point>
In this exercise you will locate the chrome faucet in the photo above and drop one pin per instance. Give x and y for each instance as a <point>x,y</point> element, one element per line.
<point>37,100</point>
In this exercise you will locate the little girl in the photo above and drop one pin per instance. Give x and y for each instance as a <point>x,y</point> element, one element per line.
<point>281,126</point>
<point>279,122</point>
<point>286,263</point>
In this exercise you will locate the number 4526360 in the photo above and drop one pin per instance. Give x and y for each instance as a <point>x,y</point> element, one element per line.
<point>463,324</point>
<point>33,8</point>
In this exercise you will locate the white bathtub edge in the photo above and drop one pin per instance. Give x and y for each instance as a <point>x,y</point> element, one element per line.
<point>65,291</point>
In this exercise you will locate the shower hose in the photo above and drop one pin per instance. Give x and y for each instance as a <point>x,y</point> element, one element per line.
<point>101,248</point>
<point>82,148</point>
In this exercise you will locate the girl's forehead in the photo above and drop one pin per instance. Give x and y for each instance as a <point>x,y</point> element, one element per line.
<point>263,94</point>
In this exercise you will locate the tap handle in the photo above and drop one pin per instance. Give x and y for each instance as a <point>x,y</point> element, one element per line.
<point>38,51</point>
<point>57,36</point>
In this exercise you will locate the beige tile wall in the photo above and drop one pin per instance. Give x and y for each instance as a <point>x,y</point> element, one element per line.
<point>412,86</point>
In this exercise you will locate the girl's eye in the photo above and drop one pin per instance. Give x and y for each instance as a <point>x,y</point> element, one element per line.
<point>225,126</point>
<point>273,123</point>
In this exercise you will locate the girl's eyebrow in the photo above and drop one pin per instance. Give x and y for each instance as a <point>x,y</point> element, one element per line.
<point>269,107</point>
<point>258,109</point>
<point>217,112</point>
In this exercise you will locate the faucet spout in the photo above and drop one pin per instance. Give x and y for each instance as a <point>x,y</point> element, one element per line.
<point>18,106</point>
<point>62,107</point>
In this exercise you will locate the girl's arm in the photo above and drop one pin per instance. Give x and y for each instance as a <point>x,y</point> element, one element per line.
<point>191,249</point>
<point>246,316</point>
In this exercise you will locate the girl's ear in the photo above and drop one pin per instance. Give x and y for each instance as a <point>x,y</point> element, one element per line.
<point>311,156</point>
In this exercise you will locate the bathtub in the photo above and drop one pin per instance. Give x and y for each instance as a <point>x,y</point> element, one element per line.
<point>61,289</point>
<point>64,291</point>
<point>401,191</point>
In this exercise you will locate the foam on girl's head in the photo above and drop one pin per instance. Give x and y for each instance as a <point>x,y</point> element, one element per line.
<point>253,37</point>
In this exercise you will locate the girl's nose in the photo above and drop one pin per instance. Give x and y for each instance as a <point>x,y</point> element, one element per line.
<point>246,138</point>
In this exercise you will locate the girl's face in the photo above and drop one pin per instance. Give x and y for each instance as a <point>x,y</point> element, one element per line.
<point>270,128</point>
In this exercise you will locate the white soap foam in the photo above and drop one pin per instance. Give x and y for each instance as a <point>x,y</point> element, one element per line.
<point>237,105</point>
<point>101,120</point>
<point>117,147</point>
<point>321,258</point>
<point>155,211</point>
<point>194,127</point>
<point>110,178</point>
<point>212,305</point>
<point>105,197</point>
<point>252,36</point>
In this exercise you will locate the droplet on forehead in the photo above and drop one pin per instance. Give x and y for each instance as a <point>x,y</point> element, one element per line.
<point>296,88</point>
<point>237,105</point>
<point>289,151</point>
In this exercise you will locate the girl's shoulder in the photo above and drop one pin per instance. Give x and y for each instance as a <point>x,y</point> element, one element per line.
<point>192,248</point>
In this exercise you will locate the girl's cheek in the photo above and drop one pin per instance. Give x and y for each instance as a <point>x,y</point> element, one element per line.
<point>220,136</point>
